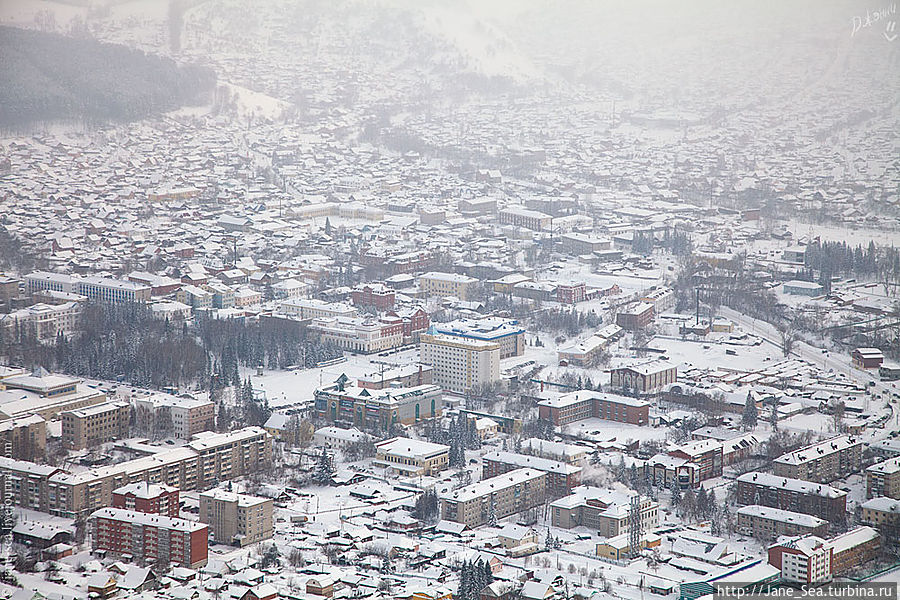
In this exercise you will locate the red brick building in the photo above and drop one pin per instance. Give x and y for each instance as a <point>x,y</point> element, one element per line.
<point>635,317</point>
<point>150,498</point>
<point>571,293</point>
<point>376,295</point>
<point>585,404</point>
<point>413,320</point>
<point>149,538</point>
<point>706,454</point>
<point>648,377</point>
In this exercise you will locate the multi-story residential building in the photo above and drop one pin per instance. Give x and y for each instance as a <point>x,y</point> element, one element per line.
<point>501,496</point>
<point>645,378</point>
<point>447,284</point>
<point>461,364</point>
<point>222,295</point>
<point>94,425</point>
<point>635,317</point>
<point>151,498</point>
<point>766,523</point>
<point>856,547</point>
<point>43,321</point>
<point>45,394</point>
<point>571,293</point>
<point>376,295</point>
<point>236,519</point>
<point>529,219</point>
<point>357,334</point>
<point>569,453</point>
<point>824,461</point>
<point>803,560</point>
<point>505,332</point>
<point>189,416</point>
<point>883,513</point>
<point>207,460</point>
<point>374,409</point>
<point>562,477</point>
<point>311,308</point>
<point>195,297</point>
<point>795,495</point>
<point>883,479</point>
<point>24,438</point>
<point>405,456</point>
<point>586,404</point>
<point>662,299</point>
<point>706,454</point>
<point>154,539</point>
<point>402,376</point>
<point>605,511</point>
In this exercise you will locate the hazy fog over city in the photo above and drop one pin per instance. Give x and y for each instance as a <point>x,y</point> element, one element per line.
<point>448,300</point>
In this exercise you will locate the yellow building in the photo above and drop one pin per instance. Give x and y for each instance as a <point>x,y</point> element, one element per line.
<point>447,284</point>
<point>412,457</point>
<point>619,547</point>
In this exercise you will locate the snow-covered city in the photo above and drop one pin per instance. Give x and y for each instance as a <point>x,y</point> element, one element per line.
<point>431,300</point>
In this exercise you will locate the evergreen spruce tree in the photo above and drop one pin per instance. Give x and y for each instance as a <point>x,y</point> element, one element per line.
<point>750,412</point>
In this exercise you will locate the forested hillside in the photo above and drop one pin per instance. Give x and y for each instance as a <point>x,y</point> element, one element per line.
<point>49,77</point>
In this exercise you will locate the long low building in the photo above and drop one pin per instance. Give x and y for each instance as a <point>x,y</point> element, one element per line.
<point>562,477</point>
<point>822,462</point>
<point>373,409</point>
<point>766,523</point>
<point>795,495</point>
<point>411,457</point>
<point>208,459</point>
<point>586,404</point>
<point>45,394</point>
<point>501,496</point>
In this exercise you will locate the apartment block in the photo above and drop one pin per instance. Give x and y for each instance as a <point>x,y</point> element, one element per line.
<point>586,404</point>
<point>856,547</point>
<point>378,409</point>
<point>461,364</point>
<point>94,425</point>
<point>505,332</point>
<point>24,438</point>
<point>882,512</point>
<point>635,317</point>
<point>822,462</point>
<point>150,498</point>
<point>149,538</point>
<point>207,460</point>
<point>604,511</point>
<point>766,523</point>
<point>649,377</point>
<point>189,416</point>
<point>883,479</point>
<point>236,519</point>
<point>795,495</point>
<point>447,284</point>
<point>405,456</point>
<point>501,496</point>
<point>803,560</point>
<point>561,479</point>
